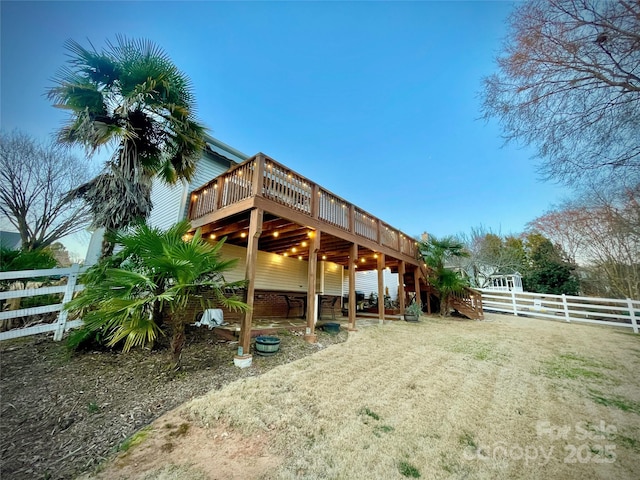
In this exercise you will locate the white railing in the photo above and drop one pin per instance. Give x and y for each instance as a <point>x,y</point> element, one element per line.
<point>61,325</point>
<point>602,311</point>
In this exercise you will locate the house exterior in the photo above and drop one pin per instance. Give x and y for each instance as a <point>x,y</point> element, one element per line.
<point>299,246</point>
<point>295,239</point>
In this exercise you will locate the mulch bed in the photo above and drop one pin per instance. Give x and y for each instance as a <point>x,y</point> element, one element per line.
<point>63,414</point>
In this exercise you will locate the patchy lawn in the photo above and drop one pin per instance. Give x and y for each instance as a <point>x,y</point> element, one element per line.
<point>500,399</point>
<point>61,415</point>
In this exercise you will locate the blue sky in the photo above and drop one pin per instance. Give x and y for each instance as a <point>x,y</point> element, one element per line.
<point>379,102</point>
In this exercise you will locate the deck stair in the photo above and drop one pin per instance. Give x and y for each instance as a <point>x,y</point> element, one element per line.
<point>467,303</point>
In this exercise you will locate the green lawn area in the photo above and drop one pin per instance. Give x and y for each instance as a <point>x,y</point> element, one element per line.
<point>504,398</point>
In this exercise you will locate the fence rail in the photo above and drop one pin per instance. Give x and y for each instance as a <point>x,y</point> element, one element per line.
<point>602,311</point>
<point>61,325</point>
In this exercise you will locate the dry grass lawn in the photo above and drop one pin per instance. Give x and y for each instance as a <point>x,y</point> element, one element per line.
<point>499,399</point>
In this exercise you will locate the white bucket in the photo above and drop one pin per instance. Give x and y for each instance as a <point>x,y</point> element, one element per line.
<point>242,361</point>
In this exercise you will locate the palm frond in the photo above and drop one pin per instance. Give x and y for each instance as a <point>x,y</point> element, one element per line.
<point>130,94</point>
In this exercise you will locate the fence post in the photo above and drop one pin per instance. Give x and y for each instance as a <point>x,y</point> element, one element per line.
<point>513,301</point>
<point>566,307</point>
<point>632,314</point>
<point>68,295</point>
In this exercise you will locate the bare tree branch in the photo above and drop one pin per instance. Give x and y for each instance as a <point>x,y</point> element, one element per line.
<point>34,181</point>
<point>568,84</point>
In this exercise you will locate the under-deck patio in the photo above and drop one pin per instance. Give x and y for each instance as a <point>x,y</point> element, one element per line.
<point>271,326</point>
<point>261,205</point>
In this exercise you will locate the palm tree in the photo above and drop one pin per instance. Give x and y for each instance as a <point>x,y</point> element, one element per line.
<point>155,272</point>
<point>435,254</point>
<point>130,95</point>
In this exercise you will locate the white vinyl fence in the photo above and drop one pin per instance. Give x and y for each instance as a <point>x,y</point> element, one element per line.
<point>602,311</point>
<point>61,325</point>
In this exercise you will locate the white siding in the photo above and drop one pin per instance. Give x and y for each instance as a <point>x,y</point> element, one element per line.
<point>367,282</point>
<point>168,204</point>
<point>275,272</point>
<point>206,170</point>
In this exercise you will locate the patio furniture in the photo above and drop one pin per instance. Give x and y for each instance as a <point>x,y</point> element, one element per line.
<point>330,303</point>
<point>295,301</point>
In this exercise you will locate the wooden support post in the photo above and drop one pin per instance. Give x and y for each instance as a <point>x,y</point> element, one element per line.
<point>429,298</point>
<point>401,292</point>
<point>381,265</point>
<point>416,280</point>
<point>255,229</point>
<point>353,261</point>
<point>314,246</point>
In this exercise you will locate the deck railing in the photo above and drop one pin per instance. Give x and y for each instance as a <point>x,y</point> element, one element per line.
<point>264,177</point>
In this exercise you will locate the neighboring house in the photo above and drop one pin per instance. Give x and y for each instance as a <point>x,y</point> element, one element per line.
<point>10,240</point>
<point>505,283</point>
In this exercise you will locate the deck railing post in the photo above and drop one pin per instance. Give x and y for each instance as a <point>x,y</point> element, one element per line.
<point>513,302</point>
<point>219,192</point>
<point>315,200</point>
<point>352,218</point>
<point>257,180</point>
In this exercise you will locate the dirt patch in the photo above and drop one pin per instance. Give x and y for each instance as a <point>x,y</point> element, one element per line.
<point>173,447</point>
<point>62,415</point>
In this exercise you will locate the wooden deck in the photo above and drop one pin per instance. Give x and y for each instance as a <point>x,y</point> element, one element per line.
<point>293,207</point>
<point>262,205</point>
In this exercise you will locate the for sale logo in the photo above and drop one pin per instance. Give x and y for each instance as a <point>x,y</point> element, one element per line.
<point>586,443</point>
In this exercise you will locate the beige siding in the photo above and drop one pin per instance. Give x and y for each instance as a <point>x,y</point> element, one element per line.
<point>275,272</point>
<point>332,278</point>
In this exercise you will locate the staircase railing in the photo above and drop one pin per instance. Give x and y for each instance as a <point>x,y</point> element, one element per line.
<point>468,302</point>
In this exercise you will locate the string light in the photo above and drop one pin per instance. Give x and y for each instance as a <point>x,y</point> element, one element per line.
<point>324,257</point>
<point>243,235</point>
<point>304,244</point>
<point>276,234</point>
<point>212,236</point>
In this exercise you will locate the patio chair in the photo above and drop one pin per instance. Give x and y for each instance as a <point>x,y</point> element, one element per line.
<point>294,302</point>
<point>330,303</point>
